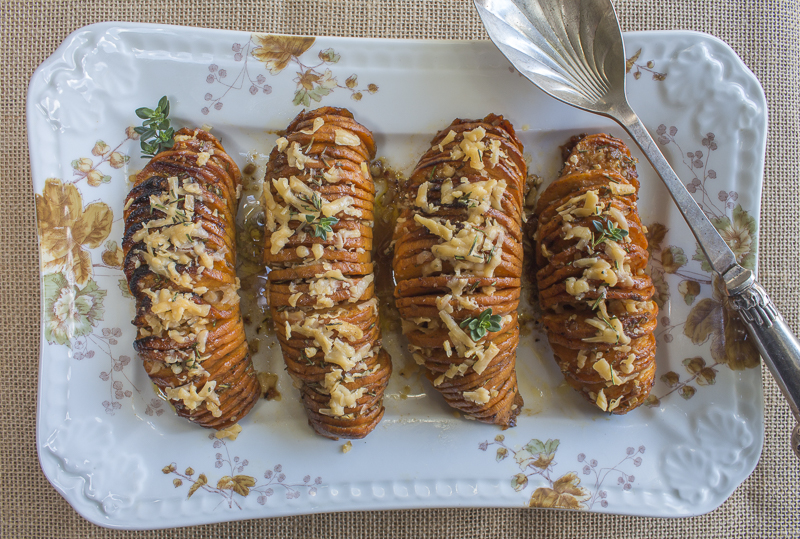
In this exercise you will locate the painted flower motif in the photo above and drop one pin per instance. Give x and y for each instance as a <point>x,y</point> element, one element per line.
<point>84,164</point>
<point>740,235</point>
<point>307,79</point>
<point>202,480</point>
<point>66,227</point>
<point>85,167</point>
<point>661,296</point>
<point>70,311</point>
<point>113,255</point>
<point>543,461</point>
<point>100,148</point>
<point>314,82</point>
<point>537,454</point>
<point>673,259</point>
<point>95,178</point>
<point>632,62</point>
<point>123,287</point>
<point>313,86</point>
<point>118,160</point>
<point>565,494</point>
<point>240,484</point>
<point>277,51</point>
<point>689,290</point>
<point>131,133</point>
<point>536,458</point>
<point>519,482</point>
<point>237,483</point>
<point>327,80</point>
<point>697,366</point>
<point>329,55</point>
<point>712,318</point>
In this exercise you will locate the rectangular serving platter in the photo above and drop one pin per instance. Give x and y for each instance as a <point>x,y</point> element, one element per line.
<point>122,459</point>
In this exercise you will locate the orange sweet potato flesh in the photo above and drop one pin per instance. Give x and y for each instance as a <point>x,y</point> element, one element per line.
<point>179,360</point>
<point>325,277</point>
<point>601,165</point>
<point>431,288</point>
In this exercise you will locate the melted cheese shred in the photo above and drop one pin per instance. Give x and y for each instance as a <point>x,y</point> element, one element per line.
<point>595,295</point>
<point>457,254</point>
<point>318,247</point>
<point>179,262</point>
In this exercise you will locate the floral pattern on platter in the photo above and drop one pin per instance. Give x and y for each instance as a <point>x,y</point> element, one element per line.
<point>707,88</point>
<point>236,483</point>
<point>276,53</point>
<point>74,307</point>
<point>536,458</point>
<point>68,230</point>
<point>632,63</point>
<point>710,318</point>
<point>85,167</point>
<point>74,302</point>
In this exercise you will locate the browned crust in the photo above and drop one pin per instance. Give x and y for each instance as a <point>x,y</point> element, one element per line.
<point>292,277</point>
<point>416,293</point>
<point>227,359</point>
<point>593,162</point>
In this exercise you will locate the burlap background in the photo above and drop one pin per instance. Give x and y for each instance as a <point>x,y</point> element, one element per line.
<point>765,33</point>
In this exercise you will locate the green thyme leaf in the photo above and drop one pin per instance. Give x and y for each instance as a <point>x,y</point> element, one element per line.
<point>483,323</point>
<point>144,113</point>
<point>607,232</point>
<point>324,226</point>
<point>156,135</point>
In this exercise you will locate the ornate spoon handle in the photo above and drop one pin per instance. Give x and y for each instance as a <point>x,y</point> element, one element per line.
<point>765,325</point>
<point>773,338</point>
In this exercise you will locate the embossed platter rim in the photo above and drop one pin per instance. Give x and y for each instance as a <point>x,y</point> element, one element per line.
<point>122,460</point>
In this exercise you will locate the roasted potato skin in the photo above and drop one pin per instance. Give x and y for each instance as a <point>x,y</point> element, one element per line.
<point>602,165</point>
<point>422,289</point>
<point>198,158</point>
<point>299,290</point>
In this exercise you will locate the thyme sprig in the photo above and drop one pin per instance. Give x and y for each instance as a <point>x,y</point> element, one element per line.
<point>314,200</point>
<point>155,133</point>
<point>480,325</point>
<point>610,232</point>
<point>323,227</point>
<point>600,298</point>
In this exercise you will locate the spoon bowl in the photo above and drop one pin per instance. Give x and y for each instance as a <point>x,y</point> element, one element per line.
<point>573,51</point>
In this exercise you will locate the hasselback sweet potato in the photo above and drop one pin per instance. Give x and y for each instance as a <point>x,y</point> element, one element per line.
<point>458,263</point>
<point>591,254</point>
<point>180,259</point>
<point>319,204</point>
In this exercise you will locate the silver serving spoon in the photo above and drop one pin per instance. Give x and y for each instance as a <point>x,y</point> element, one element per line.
<point>573,50</point>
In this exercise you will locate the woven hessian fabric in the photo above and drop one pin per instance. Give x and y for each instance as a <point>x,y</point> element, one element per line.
<point>765,33</point>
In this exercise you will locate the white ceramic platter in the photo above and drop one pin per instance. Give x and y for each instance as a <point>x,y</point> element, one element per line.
<point>122,458</point>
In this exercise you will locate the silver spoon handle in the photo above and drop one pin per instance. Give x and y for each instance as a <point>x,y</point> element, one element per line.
<point>716,250</point>
<point>774,339</point>
<point>776,343</point>
<point>765,325</point>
